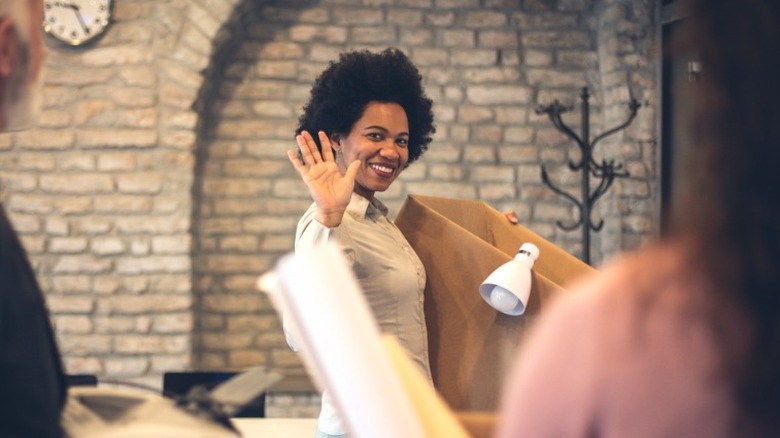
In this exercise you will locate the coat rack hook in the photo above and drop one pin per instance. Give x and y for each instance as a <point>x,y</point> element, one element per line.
<point>603,173</point>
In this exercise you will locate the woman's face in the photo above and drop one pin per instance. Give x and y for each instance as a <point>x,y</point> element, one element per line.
<point>380,141</point>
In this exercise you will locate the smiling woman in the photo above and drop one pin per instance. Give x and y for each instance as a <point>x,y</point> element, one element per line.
<point>372,119</point>
<point>378,141</point>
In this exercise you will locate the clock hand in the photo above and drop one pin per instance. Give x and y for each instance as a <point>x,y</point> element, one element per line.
<point>76,11</point>
<point>62,4</point>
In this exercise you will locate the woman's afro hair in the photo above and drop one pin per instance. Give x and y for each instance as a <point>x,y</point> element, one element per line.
<point>341,92</point>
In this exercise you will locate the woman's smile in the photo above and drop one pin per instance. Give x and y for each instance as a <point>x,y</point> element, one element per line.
<point>380,141</point>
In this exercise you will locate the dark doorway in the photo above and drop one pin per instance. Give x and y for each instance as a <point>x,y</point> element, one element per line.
<point>680,70</point>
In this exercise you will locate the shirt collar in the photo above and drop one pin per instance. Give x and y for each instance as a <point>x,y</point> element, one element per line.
<point>362,207</point>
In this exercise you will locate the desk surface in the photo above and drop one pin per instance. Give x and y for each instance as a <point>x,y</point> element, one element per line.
<point>276,427</point>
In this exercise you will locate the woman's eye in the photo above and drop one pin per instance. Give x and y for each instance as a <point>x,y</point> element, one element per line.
<point>375,136</point>
<point>402,142</point>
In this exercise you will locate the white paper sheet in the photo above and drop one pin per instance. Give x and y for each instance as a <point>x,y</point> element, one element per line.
<point>341,343</point>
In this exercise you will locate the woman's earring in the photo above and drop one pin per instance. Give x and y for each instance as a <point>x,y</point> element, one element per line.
<point>337,155</point>
<point>336,141</point>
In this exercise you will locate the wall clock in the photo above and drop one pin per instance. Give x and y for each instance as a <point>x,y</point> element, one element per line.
<point>76,22</point>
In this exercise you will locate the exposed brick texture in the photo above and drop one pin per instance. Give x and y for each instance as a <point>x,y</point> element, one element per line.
<point>156,188</point>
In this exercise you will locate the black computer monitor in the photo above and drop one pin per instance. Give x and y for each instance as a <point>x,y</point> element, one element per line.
<point>177,384</point>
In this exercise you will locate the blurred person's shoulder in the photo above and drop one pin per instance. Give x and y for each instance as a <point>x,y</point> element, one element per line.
<point>656,281</point>
<point>635,275</point>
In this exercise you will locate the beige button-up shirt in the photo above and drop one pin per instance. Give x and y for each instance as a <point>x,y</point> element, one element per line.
<point>387,268</point>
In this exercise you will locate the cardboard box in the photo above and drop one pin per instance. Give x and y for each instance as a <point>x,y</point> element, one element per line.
<point>472,346</point>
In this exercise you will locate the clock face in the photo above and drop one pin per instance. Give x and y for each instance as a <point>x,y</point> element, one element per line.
<point>76,22</point>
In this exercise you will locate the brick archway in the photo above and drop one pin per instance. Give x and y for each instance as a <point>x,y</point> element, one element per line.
<point>245,107</point>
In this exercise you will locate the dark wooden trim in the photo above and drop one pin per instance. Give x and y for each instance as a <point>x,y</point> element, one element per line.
<point>674,11</point>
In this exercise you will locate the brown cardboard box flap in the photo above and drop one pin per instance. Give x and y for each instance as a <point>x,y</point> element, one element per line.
<point>461,242</point>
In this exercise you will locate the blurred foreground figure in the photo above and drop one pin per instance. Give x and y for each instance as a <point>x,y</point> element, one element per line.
<point>682,338</point>
<point>32,385</point>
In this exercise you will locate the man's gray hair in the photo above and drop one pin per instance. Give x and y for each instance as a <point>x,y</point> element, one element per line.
<point>19,11</point>
<point>21,101</point>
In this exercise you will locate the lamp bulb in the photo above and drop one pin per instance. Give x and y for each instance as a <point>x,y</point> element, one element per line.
<point>503,300</point>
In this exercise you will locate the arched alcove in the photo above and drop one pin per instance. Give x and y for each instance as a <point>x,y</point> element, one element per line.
<point>485,68</point>
<point>243,219</point>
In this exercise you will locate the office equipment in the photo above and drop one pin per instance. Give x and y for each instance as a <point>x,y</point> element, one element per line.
<point>177,384</point>
<point>97,412</point>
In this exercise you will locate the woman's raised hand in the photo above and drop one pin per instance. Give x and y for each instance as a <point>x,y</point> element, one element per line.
<point>330,189</point>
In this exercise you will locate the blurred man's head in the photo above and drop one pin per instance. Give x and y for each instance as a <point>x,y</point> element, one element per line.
<point>21,62</point>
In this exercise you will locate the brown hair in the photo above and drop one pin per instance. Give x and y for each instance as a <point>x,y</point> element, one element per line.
<point>733,211</point>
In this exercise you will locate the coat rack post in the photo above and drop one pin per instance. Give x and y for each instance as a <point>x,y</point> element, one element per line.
<point>604,173</point>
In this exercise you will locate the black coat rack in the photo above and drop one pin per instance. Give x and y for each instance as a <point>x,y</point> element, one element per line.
<point>604,172</point>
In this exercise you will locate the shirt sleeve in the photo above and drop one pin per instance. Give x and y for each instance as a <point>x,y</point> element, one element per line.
<point>309,234</point>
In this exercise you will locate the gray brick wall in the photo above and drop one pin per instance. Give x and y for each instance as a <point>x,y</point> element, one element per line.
<point>155,188</point>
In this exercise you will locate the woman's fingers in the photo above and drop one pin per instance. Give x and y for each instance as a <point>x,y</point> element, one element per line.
<point>327,150</point>
<point>352,171</point>
<point>308,147</point>
<point>310,154</point>
<point>296,161</point>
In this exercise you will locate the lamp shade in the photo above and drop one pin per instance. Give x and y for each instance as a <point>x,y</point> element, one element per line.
<point>507,288</point>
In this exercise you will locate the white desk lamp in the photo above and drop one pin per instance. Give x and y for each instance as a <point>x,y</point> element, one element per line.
<point>508,287</point>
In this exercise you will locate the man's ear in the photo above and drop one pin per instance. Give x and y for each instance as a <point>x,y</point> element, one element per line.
<point>8,46</point>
